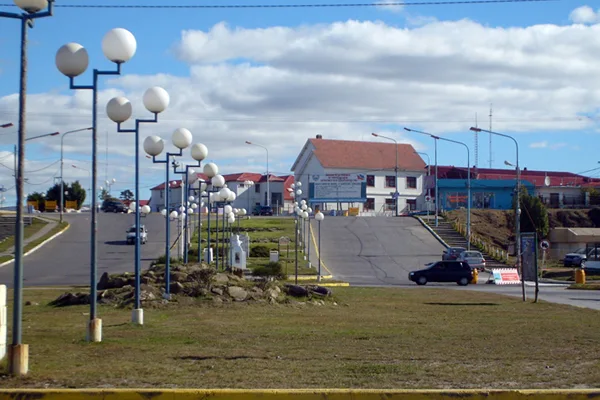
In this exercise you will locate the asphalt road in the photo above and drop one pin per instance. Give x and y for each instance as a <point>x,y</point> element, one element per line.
<point>66,259</point>
<point>380,251</point>
<point>376,250</point>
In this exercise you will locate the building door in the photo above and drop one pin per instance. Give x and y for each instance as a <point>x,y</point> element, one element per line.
<point>554,200</point>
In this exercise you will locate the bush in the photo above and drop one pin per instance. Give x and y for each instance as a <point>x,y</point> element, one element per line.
<point>271,270</point>
<point>163,258</point>
<point>259,251</point>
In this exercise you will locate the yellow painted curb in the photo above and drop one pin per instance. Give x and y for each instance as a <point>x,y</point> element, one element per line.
<point>334,284</point>
<point>312,236</point>
<point>299,394</point>
<point>308,277</point>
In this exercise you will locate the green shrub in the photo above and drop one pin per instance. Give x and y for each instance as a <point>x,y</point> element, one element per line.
<point>259,251</point>
<point>271,270</point>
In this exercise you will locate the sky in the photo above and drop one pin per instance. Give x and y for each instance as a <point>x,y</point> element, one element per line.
<point>279,76</point>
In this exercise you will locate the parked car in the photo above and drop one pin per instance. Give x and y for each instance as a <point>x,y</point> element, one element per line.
<point>131,235</point>
<point>473,258</point>
<point>263,210</point>
<point>443,271</point>
<point>452,253</point>
<point>576,258</point>
<point>113,206</point>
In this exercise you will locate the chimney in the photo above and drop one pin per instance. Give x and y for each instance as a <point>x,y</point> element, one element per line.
<point>319,136</point>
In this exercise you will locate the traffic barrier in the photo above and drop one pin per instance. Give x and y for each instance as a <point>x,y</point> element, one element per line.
<point>506,276</point>
<point>298,394</point>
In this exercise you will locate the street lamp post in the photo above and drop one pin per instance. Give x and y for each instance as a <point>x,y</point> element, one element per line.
<point>428,174</point>
<point>468,178</point>
<point>18,358</point>
<point>437,197</point>
<point>153,146</point>
<point>319,217</point>
<point>83,169</point>
<point>396,194</point>
<point>119,110</point>
<point>268,177</point>
<point>199,153</point>
<point>517,205</point>
<point>72,59</point>
<point>211,170</point>
<point>62,139</point>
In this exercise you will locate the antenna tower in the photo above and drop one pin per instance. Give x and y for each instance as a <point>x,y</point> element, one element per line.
<point>476,144</point>
<point>491,154</point>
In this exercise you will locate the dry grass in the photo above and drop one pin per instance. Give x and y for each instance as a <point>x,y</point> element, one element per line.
<point>373,338</point>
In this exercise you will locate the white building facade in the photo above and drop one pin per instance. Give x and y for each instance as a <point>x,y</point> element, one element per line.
<point>373,161</point>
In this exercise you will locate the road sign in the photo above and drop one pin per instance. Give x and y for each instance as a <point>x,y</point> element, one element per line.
<point>395,195</point>
<point>428,198</point>
<point>544,244</point>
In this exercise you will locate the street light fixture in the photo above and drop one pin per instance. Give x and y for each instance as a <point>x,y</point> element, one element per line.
<point>7,125</point>
<point>62,139</point>
<point>72,60</point>
<point>396,194</point>
<point>248,184</point>
<point>119,110</point>
<point>517,204</point>
<point>153,146</point>
<point>18,352</point>
<point>268,177</point>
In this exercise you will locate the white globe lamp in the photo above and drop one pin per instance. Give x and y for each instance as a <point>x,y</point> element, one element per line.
<point>119,45</point>
<point>119,109</point>
<point>72,59</point>
<point>199,151</point>
<point>153,145</point>
<point>181,138</point>
<point>156,99</point>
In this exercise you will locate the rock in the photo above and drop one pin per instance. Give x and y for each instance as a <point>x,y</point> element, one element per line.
<point>217,300</point>
<point>320,290</point>
<point>272,293</point>
<point>103,282</point>
<point>296,291</point>
<point>117,282</point>
<point>258,290</point>
<point>29,303</point>
<point>217,291</point>
<point>221,278</point>
<point>178,276</point>
<point>237,293</point>
<point>176,287</point>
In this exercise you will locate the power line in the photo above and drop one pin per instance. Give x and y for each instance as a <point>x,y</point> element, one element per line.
<point>326,5</point>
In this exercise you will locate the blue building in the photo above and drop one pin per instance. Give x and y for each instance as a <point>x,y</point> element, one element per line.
<point>485,193</point>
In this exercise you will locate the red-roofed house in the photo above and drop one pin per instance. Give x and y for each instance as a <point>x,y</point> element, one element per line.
<point>250,189</point>
<point>376,161</point>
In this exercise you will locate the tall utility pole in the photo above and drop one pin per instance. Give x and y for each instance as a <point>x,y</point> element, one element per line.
<point>491,153</point>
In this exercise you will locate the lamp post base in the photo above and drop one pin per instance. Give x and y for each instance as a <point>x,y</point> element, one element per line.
<point>18,359</point>
<point>137,316</point>
<point>94,331</point>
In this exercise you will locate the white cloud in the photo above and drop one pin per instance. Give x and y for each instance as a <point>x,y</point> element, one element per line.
<point>539,145</point>
<point>584,15</point>
<point>557,146</point>
<point>280,85</point>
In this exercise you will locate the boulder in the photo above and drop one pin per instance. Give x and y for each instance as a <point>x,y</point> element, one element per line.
<point>103,282</point>
<point>221,278</point>
<point>237,293</point>
<point>217,291</point>
<point>178,276</point>
<point>296,291</point>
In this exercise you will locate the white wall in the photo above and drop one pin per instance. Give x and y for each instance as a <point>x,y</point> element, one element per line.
<point>379,192</point>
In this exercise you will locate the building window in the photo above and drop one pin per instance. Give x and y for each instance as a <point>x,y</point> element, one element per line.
<point>257,188</point>
<point>411,182</point>
<point>370,204</point>
<point>390,181</point>
<point>390,204</point>
<point>161,194</point>
<point>411,204</point>
<point>371,180</point>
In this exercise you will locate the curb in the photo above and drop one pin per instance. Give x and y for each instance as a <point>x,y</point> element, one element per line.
<point>334,284</point>
<point>39,245</point>
<point>308,277</point>
<point>435,235</point>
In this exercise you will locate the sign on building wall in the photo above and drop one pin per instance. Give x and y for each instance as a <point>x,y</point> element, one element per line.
<point>347,188</point>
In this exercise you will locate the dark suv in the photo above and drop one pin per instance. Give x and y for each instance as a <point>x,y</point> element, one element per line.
<point>263,210</point>
<point>113,206</point>
<point>443,271</point>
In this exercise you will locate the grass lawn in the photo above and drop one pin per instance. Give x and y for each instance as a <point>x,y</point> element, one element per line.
<point>59,227</point>
<point>264,232</point>
<point>373,338</point>
<point>36,225</point>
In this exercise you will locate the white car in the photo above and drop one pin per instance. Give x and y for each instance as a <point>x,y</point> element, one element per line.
<point>131,235</point>
<point>473,258</point>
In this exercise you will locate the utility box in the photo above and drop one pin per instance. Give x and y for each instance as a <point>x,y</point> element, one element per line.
<point>237,255</point>
<point>274,256</point>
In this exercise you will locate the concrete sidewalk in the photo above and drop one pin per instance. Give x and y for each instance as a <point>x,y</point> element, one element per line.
<point>50,224</point>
